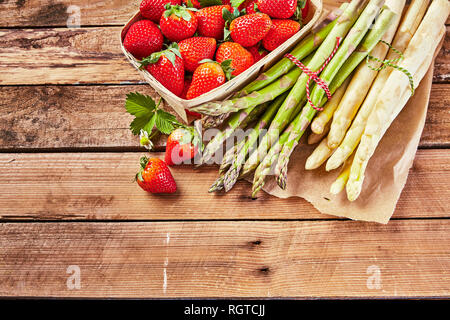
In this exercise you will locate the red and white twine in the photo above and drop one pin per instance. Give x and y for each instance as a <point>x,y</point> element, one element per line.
<point>315,75</point>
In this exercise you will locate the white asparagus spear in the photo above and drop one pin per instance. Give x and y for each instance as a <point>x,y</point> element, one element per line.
<point>319,155</point>
<point>314,138</point>
<point>361,82</point>
<point>407,28</point>
<point>418,57</point>
<point>341,180</point>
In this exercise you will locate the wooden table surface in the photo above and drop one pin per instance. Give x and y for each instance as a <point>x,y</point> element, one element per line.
<point>74,225</point>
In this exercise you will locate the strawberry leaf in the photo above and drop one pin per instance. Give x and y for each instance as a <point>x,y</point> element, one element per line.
<point>139,105</point>
<point>148,115</point>
<point>209,3</point>
<point>165,121</point>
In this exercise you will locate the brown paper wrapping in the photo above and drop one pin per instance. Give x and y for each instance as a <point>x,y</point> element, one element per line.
<point>386,173</point>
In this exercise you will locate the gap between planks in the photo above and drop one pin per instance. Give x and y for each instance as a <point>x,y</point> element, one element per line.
<point>99,186</point>
<point>226,259</point>
<point>84,118</point>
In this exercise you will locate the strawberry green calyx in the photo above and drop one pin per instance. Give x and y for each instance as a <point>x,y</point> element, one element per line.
<point>237,3</point>
<point>171,53</point>
<point>298,15</point>
<point>229,17</point>
<point>179,11</point>
<point>143,163</point>
<point>226,66</point>
<point>210,3</point>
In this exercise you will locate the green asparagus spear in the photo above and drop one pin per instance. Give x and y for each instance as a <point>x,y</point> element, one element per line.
<point>217,185</point>
<point>238,120</point>
<point>273,90</point>
<point>232,175</point>
<point>303,49</point>
<point>337,63</point>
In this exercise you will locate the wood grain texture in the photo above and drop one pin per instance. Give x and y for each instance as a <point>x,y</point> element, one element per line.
<point>63,56</point>
<point>32,13</point>
<point>94,117</point>
<point>24,13</point>
<point>69,117</point>
<point>227,259</point>
<point>99,186</point>
<point>85,55</point>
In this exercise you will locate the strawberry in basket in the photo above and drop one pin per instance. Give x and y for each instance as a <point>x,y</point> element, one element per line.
<point>153,9</point>
<point>143,38</point>
<point>247,30</point>
<point>167,67</point>
<point>178,23</point>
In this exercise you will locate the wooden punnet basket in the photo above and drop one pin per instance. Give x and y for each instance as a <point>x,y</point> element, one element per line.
<point>237,83</point>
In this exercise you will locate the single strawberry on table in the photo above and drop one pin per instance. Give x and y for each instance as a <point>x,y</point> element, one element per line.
<point>211,22</point>
<point>281,9</point>
<point>153,9</point>
<point>167,67</point>
<point>178,23</point>
<point>193,50</point>
<point>280,31</point>
<point>181,146</point>
<point>143,38</point>
<point>155,177</point>
<point>208,76</point>
<point>257,52</point>
<point>249,29</point>
<point>241,59</point>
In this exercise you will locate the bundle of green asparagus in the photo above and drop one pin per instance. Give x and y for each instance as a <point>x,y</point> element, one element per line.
<point>368,92</point>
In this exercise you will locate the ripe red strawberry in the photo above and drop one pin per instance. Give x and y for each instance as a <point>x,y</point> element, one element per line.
<point>180,147</point>
<point>196,49</point>
<point>195,3</point>
<point>241,59</point>
<point>155,176</point>
<point>249,6</point>
<point>211,22</point>
<point>248,30</point>
<point>281,31</point>
<point>178,23</point>
<point>187,85</point>
<point>168,68</point>
<point>143,38</point>
<point>153,9</point>
<point>257,52</point>
<point>208,76</point>
<point>281,9</point>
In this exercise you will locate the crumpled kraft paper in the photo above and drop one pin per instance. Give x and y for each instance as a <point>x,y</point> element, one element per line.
<point>386,172</point>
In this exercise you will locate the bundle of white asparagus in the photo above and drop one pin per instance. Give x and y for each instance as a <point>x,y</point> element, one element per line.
<point>374,99</point>
<point>369,82</point>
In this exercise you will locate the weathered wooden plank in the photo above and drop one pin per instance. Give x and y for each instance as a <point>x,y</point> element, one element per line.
<point>437,126</point>
<point>67,117</point>
<point>85,55</point>
<point>95,117</point>
<point>68,186</point>
<point>442,64</point>
<point>31,13</point>
<point>226,259</point>
<point>92,12</point>
<point>63,56</point>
